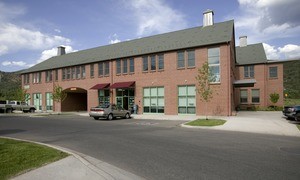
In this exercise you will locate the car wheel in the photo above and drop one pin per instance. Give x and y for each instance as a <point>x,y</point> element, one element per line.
<point>127,116</point>
<point>110,117</point>
<point>96,118</point>
<point>31,110</point>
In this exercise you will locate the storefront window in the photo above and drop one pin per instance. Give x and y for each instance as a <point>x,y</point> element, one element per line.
<point>186,100</point>
<point>154,100</point>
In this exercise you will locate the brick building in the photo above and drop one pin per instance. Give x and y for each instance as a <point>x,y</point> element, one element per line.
<point>158,73</point>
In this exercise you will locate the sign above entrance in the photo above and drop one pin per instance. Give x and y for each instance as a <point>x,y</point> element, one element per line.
<point>128,84</point>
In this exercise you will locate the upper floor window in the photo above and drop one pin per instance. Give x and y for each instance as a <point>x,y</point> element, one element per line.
<point>68,73</point>
<point>153,62</point>
<point>37,77</point>
<point>92,70</point>
<point>214,64</point>
<point>56,74</point>
<point>131,65</point>
<point>273,72</point>
<point>63,73</point>
<point>49,76</point>
<point>26,78</point>
<point>78,75</point>
<point>249,71</point>
<point>125,66</point>
<point>106,68</point>
<point>191,58</point>
<point>100,69</point>
<point>160,62</point>
<point>145,63</point>
<point>73,73</point>
<point>180,59</point>
<point>83,71</point>
<point>118,62</point>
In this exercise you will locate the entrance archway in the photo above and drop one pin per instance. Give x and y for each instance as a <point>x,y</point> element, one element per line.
<point>76,100</point>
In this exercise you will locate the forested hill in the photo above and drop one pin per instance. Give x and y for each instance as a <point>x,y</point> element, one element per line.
<point>9,83</point>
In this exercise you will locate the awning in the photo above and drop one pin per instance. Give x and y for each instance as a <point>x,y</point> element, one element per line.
<point>244,83</point>
<point>122,85</point>
<point>101,86</point>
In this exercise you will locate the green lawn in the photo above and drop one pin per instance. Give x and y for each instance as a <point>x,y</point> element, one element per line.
<point>204,122</point>
<point>17,157</point>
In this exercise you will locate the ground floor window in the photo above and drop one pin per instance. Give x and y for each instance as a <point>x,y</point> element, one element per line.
<point>187,99</point>
<point>49,102</point>
<point>243,96</point>
<point>154,101</point>
<point>37,101</point>
<point>103,96</point>
<point>27,99</point>
<point>125,98</point>
<point>255,95</point>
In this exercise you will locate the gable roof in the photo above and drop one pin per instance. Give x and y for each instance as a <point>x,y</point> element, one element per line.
<point>187,38</point>
<point>251,54</point>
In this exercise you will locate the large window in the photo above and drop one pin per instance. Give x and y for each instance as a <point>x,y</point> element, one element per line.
<point>180,59</point>
<point>153,62</point>
<point>118,62</point>
<point>49,102</point>
<point>103,96</point>
<point>37,101</point>
<point>249,71</point>
<point>214,64</point>
<point>92,70</point>
<point>27,99</point>
<point>186,99</point>
<point>154,100</point>
<point>145,63</point>
<point>191,58</point>
<point>131,65</point>
<point>243,96</point>
<point>125,66</point>
<point>255,95</point>
<point>273,72</point>
<point>160,62</point>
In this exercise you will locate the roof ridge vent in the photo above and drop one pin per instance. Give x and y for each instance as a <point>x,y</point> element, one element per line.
<point>61,50</point>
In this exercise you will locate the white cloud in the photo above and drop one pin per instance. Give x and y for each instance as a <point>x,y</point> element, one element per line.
<point>156,16</point>
<point>15,63</point>
<point>46,54</point>
<point>114,39</point>
<point>57,30</point>
<point>289,51</point>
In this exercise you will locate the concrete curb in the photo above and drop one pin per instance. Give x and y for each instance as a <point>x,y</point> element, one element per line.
<point>103,169</point>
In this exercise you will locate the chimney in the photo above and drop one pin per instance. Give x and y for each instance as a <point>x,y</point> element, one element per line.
<point>61,50</point>
<point>208,18</point>
<point>243,41</point>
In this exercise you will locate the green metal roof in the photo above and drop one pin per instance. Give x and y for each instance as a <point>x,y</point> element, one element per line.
<point>188,38</point>
<point>251,54</point>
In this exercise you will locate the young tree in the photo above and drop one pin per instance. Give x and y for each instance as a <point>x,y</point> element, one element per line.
<point>274,97</point>
<point>204,78</point>
<point>58,94</point>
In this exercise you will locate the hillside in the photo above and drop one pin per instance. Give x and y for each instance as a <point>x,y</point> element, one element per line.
<point>9,82</point>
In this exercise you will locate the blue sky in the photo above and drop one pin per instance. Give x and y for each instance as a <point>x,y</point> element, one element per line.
<point>30,30</point>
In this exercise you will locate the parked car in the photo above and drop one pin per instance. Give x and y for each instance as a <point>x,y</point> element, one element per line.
<point>292,112</point>
<point>21,106</point>
<point>109,111</point>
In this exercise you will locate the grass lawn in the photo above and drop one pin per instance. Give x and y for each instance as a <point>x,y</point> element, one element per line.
<point>17,157</point>
<point>204,122</point>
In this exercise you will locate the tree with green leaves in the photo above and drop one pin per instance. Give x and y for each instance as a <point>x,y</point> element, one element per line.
<point>204,78</point>
<point>58,94</point>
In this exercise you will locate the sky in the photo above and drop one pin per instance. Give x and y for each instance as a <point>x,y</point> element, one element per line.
<point>31,30</point>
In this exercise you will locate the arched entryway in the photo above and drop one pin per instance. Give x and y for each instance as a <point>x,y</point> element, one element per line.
<point>76,100</point>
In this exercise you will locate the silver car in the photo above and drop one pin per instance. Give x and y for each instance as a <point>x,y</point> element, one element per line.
<point>109,111</point>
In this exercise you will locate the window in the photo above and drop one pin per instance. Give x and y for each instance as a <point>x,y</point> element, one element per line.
<point>125,66</point>
<point>73,73</point>
<point>214,64</point>
<point>103,96</point>
<point>180,59</point>
<point>191,58</point>
<point>160,62</point>
<point>100,69</point>
<point>92,70</point>
<point>64,73</point>
<point>27,99</point>
<point>243,96</point>
<point>49,76</point>
<point>131,65</point>
<point>153,62</point>
<point>153,100</point>
<point>273,72</point>
<point>118,67</point>
<point>106,70</point>
<point>37,77</point>
<point>83,71</point>
<point>56,74</point>
<point>68,73</point>
<point>255,95</point>
<point>78,72</point>
<point>249,71</point>
<point>26,79</point>
<point>186,99</point>
<point>37,101</point>
<point>145,63</point>
<point>49,102</point>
